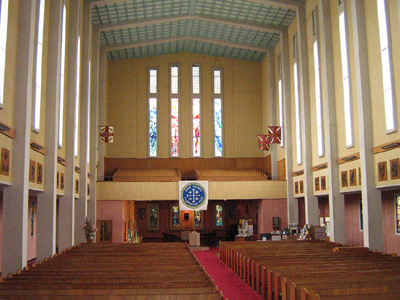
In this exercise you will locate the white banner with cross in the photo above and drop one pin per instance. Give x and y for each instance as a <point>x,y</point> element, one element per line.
<point>193,195</point>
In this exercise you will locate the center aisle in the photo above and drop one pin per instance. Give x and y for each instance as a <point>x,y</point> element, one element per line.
<point>227,281</point>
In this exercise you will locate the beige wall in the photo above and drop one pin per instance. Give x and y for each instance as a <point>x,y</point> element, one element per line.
<point>127,105</point>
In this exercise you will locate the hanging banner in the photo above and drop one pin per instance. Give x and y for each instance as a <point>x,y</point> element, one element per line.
<point>193,195</point>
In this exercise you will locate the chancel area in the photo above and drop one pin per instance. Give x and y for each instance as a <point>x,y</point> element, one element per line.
<point>246,128</point>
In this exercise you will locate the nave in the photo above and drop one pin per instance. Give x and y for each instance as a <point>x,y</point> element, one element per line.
<point>284,270</point>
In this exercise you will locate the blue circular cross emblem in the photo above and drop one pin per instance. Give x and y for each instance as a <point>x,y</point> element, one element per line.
<point>193,195</point>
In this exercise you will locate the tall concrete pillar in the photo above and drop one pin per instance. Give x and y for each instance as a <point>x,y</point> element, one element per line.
<point>47,201</point>
<point>311,202</point>
<point>272,109</point>
<point>15,197</point>
<point>372,199</point>
<point>67,201</point>
<point>336,199</point>
<point>292,204</point>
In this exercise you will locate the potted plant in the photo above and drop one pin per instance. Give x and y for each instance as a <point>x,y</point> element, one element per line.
<point>90,230</point>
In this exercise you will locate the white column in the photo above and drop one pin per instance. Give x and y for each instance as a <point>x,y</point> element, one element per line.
<point>67,202</point>
<point>47,201</point>
<point>272,109</point>
<point>94,133</point>
<point>102,114</point>
<point>372,199</point>
<point>311,202</point>
<point>15,197</point>
<point>292,204</point>
<point>336,199</point>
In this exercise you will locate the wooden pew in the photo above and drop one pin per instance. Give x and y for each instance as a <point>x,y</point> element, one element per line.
<point>114,271</point>
<point>274,269</point>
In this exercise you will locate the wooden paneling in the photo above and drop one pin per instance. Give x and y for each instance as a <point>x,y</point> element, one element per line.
<point>348,158</point>
<point>386,147</point>
<point>281,169</point>
<point>187,166</point>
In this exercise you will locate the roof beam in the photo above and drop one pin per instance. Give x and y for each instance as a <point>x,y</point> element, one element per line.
<point>104,2</point>
<point>222,21</point>
<point>182,38</point>
<point>286,4</point>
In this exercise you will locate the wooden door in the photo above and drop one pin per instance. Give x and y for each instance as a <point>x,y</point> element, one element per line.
<point>104,231</point>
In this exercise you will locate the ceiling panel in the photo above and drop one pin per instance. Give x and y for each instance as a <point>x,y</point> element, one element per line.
<point>229,28</point>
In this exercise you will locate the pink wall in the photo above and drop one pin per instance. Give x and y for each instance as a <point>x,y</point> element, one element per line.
<point>112,210</point>
<point>31,253</point>
<point>272,208</point>
<point>391,240</point>
<point>354,236</point>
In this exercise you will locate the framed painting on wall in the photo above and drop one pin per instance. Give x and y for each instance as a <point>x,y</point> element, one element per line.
<point>175,217</point>
<point>316,183</point>
<point>353,177</point>
<point>323,183</point>
<point>382,171</point>
<point>344,179</point>
<point>153,219</point>
<point>394,169</point>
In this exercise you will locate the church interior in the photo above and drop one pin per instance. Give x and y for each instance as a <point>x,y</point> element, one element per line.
<point>109,109</point>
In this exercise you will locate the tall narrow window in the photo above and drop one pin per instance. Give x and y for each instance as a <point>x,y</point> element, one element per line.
<point>297,103</point>
<point>280,97</point>
<point>62,77</point>
<point>174,94</point>
<point>318,99</point>
<point>77,91</point>
<point>153,96</point>
<point>218,97</point>
<point>3,43</point>
<point>397,206</point>
<point>348,110</point>
<point>386,68</point>
<point>196,124</point>
<point>88,112</point>
<point>39,55</point>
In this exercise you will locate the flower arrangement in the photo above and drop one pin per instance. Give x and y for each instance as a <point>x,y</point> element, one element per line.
<point>90,229</point>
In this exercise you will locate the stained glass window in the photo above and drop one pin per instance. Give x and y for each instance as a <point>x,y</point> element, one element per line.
<point>152,112</point>
<point>196,145</point>
<point>175,216</point>
<point>219,215</point>
<point>153,126</point>
<point>174,127</point>
<point>217,94</point>
<point>197,218</point>
<point>196,127</point>
<point>398,214</point>
<point>174,73</point>
<point>153,219</point>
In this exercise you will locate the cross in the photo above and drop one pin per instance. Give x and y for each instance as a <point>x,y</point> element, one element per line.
<point>107,134</point>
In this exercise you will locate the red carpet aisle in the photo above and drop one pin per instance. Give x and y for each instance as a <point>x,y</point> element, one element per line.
<point>227,281</point>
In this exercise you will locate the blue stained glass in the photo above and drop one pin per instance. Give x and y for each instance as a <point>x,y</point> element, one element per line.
<point>218,126</point>
<point>175,216</point>
<point>197,218</point>
<point>153,126</point>
<point>219,215</point>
